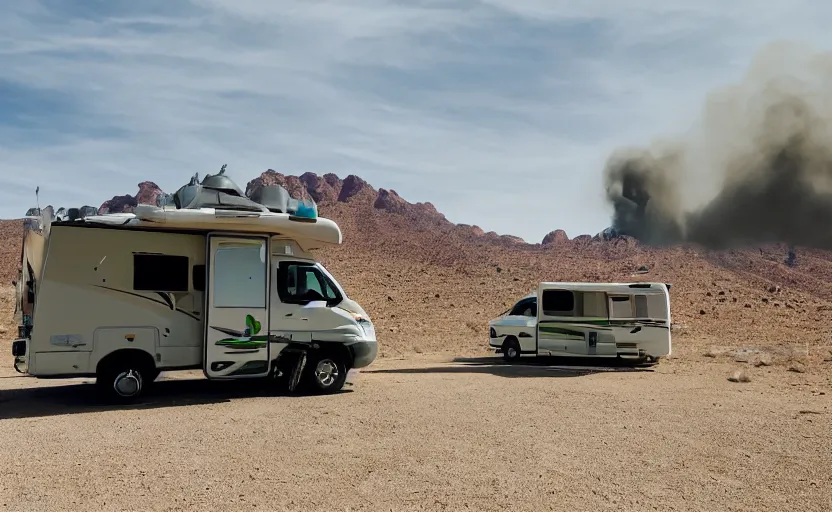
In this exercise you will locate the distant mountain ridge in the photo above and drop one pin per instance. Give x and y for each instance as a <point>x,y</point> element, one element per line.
<point>328,190</point>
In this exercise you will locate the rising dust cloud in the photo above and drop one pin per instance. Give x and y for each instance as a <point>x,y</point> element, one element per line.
<point>764,146</point>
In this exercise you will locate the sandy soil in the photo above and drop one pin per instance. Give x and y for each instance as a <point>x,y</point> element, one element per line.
<point>429,434</point>
<point>419,431</point>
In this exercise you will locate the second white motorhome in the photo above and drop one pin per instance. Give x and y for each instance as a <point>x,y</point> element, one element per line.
<point>617,320</point>
<point>220,282</point>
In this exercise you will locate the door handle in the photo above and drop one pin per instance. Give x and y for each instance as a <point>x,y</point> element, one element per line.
<point>635,330</point>
<point>76,345</point>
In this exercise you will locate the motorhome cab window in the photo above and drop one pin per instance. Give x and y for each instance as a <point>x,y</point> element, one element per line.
<point>303,282</point>
<point>239,276</point>
<point>160,273</point>
<point>526,307</point>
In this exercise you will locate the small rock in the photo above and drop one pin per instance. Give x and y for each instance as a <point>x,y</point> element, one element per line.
<point>701,311</point>
<point>436,296</point>
<point>747,305</point>
<point>721,293</point>
<point>739,376</point>
<point>773,289</point>
<point>499,270</point>
<point>734,299</point>
<point>765,299</point>
<point>797,368</point>
<point>709,294</point>
<point>390,298</point>
<point>764,360</point>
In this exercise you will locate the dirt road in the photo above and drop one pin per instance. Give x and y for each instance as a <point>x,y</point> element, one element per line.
<point>422,434</point>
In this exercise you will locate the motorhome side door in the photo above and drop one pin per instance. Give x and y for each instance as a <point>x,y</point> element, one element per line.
<point>237,307</point>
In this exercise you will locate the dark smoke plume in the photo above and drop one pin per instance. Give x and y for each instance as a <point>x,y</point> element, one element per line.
<point>764,146</point>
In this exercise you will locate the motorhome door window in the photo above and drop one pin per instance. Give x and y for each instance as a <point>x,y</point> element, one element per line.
<point>239,277</point>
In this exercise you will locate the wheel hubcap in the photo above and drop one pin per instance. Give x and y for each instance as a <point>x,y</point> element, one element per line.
<point>326,372</point>
<point>512,352</point>
<point>128,383</point>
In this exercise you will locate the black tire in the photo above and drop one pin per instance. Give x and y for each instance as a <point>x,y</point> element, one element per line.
<point>325,372</point>
<point>124,381</point>
<point>511,349</point>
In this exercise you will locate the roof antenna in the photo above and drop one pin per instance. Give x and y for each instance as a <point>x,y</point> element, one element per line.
<point>222,169</point>
<point>37,197</point>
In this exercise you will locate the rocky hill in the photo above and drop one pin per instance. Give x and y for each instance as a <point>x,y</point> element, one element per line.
<point>432,285</point>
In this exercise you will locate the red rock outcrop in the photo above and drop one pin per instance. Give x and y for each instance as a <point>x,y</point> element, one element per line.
<point>390,201</point>
<point>557,236</point>
<point>354,188</point>
<point>148,193</point>
<point>293,184</point>
<point>321,190</point>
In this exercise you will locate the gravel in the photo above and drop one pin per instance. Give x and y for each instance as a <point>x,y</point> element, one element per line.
<point>427,434</point>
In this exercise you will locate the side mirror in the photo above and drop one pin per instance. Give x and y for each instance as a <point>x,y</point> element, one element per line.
<point>637,329</point>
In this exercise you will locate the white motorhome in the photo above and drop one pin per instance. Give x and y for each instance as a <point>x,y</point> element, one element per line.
<point>219,281</point>
<point>617,320</point>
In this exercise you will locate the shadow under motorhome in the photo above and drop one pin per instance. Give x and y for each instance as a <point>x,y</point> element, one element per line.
<point>618,320</point>
<point>216,282</point>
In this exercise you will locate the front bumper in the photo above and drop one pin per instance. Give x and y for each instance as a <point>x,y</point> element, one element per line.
<point>363,353</point>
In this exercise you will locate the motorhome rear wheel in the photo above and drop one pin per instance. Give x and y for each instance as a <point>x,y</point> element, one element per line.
<point>124,380</point>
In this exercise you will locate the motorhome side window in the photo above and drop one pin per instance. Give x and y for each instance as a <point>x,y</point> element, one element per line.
<point>160,273</point>
<point>304,282</point>
<point>621,306</point>
<point>640,302</point>
<point>558,303</point>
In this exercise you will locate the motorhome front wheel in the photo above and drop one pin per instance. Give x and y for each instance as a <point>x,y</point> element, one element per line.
<point>328,373</point>
<point>511,349</point>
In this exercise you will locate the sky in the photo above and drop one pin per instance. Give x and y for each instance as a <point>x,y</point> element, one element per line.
<point>499,112</point>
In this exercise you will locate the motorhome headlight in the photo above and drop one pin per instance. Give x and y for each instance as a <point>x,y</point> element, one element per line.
<point>365,324</point>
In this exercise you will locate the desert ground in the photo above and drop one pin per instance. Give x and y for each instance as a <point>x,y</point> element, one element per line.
<point>426,433</point>
<point>738,418</point>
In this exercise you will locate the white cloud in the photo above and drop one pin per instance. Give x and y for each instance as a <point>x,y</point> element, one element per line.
<point>500,112</point>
